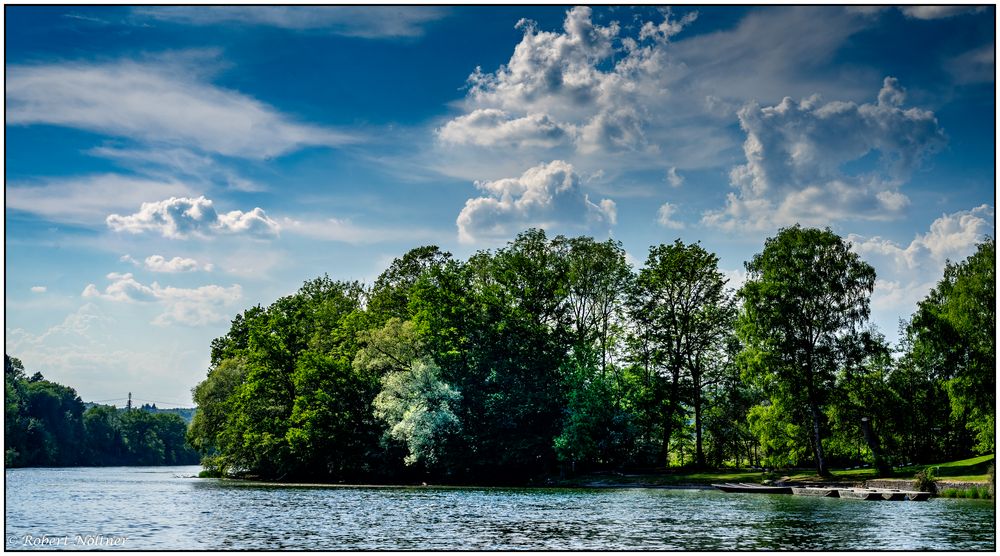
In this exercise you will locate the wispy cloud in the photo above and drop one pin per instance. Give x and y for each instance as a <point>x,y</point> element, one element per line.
<point>371,22</point>
<point>768,54</point>
<point>90,350</point>
<point>345,231</point>
<point>937,12</point>
<point>665,217</point>
<point>156,103</point>
<point>188,306</point>
<point>974,66</point>
<point>159,263</point>
<point>87,200</point>
<point>673,178</point>
<point>171,163</point>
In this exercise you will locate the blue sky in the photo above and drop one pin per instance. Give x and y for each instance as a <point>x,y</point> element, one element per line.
<point>167,167</point>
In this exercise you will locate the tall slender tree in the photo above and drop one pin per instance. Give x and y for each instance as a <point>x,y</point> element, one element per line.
<point>682,296</point>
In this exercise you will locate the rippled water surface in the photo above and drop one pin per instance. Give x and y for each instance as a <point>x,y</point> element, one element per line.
<point>166,508</point>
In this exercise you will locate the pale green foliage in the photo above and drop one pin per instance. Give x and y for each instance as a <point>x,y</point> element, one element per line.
<point>419,408</point>
<point>390,348</point>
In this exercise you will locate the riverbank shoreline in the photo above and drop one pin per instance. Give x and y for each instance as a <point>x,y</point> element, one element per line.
<point>574,486</point>
<point>589,483</point>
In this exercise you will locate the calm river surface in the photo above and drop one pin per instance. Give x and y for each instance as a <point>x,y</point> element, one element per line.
<point>139,508</point>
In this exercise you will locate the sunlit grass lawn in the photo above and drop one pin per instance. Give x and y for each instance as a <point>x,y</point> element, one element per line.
<point>972,469</point>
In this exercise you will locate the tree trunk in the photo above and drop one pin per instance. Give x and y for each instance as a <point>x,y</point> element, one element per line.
<point>668,420</point>
<point>816,416</point>
<point>699,451</point>
<point>881,466</point>
<point>818,441</point>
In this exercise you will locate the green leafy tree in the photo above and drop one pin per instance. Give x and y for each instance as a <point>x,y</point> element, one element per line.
<point>213,396</point>
<point>784,442</point>
<point>271,411</point>
<point>686,313</point>
<point>393,347</point>
<point>391,292</point>
<point>597,430</point>
<point>597,276</point>
<point>862,412</point>
<point>14,424</point>
<point>497,326</point>
<point>729,400</point>
<point>331,430</point>
<point>596,427</point>
<point>47,426</point>
<point>105,444</point>
<point>804,302</point>
<point>923,425</point>
<point>956,324</point>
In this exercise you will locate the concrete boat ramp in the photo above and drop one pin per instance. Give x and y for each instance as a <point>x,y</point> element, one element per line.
<point>852,493</point>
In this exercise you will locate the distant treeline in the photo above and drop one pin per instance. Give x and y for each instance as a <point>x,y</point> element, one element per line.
<point>46,424</point>
<point>186,413</point>
<point>554,355</point>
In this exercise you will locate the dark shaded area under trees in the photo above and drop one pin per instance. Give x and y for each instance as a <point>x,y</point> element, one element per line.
<point>552,355</point>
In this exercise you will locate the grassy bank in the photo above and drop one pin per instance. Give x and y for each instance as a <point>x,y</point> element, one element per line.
<point>972,470</point>
<point>976,492</point>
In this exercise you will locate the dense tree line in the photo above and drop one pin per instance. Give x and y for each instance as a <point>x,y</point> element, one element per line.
<point>553,355</point>
<point>46,424</point>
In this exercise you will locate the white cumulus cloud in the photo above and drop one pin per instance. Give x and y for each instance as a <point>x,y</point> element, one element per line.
<point>908,272</point>
<point>950,237</point>
<point>487,127</point>
<point>182,217</point>
<point>796,152</point>
<point>585,86</point>
<point>38,289</point>
<point>547,195</point>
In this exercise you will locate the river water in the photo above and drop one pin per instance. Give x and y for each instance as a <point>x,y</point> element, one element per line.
<point>142,508</point>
